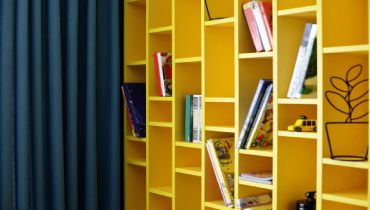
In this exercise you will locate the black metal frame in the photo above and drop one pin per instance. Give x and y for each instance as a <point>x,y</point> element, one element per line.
<point>209,15</point>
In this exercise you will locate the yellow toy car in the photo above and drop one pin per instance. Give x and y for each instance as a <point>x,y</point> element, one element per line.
<point>304,124</point>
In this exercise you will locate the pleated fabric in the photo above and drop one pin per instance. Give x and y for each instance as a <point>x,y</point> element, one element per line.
<point>60,126</point>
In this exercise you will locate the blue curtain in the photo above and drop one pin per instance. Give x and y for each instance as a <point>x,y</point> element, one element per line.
<point>60,121</point>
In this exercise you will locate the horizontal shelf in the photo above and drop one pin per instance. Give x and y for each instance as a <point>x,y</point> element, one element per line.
<point>229,129</point>
<point>164,191</point>
<point>160,98</point>
<point>195,171</point>
<point>188,144</point>
<point>131,138</point>
<point>297,101</point>
<point>161,30</point>
<point>220,100</point>
<point>137,161</point>
<point>306,135</point>
<point>226,22</point>
<point>352,164</point>
<point>307,13</point>
<point>361,50</point>
<point>136,63</point>
<point>260,55</point>
<point>353,196</point>
<point>255,184</point>
<point>219,204</point>
<point>139,2</point>
<point>161,124</point>
<point>266,152</point>
<point>189,60</point>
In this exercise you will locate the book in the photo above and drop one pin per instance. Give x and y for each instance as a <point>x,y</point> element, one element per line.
<point>259,200</point>
<point>221,153</point>
<point>257,14</point>
<point>266,10</point>
<point>197,118</point>
<point>163,67</point>
<point>253,109</point>
<point>252,27</point>
<point>128,112</point>
<point>261,207</point>
<point>135,97</point>
<point>255,180</point>
<point>261,130</point>
<point>258,175</point>
<point>309,87</point>
<point>299,60</point>
<point>189,118</point>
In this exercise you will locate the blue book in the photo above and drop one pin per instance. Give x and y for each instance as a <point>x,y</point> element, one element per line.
<point>189,118</point>
<point>135,95</point>
<point>255,105</point>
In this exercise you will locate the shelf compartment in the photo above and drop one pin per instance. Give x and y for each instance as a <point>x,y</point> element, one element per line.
<point>159,202</point>
<point>259,55</point>
<point>131,138</point>
<point>226,22</point>
<point>162,30</point>
<point>160,13</point>
<point>188,192</point>
<point>361,50</point>
<point>288,4</point>
<point>297,101</point>
<point>188,60</point>
<point>188,144</point>
<point>139,2</point>
<point>160,111</point>
<point>219,100</point>
<point>307,135</point>
<point>288,115</point>
<point>194,171</point>
<point>137,161</point>
<point>164,191</point>
<point>159,98</point>
<point>135,31</point>
<point>328,204</point>
<point>219,117</point>
<point>306,13</point>
<point>355,196</point>
<point>217,204</point>
<point>136,63</point>
<point>135,183</point>
<point>266,152</point>
<point>352,164</point>
<point>255,184</point>
<point>228,129</point>
<point>161,124</point>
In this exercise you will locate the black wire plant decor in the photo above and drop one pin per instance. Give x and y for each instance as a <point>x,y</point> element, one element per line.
<point>209,15</point>
<point>350,83</point>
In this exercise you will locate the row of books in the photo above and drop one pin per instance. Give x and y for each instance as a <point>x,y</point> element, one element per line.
<point>257,130</point>
<point>163,67</point>
<point>193,118</point>
<point>259,19</point>
<point>304,82</point>
<point>135,102</point>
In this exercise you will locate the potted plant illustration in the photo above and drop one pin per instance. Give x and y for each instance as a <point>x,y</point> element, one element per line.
<point>352,106</point>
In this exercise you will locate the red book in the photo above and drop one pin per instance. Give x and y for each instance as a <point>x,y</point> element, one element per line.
<point>266,10</point>
<point>128,113</point>
<point>252,27</point>
<point>163,67</point>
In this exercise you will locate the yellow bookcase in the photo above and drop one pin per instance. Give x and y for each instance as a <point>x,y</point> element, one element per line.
<point>217,59</point>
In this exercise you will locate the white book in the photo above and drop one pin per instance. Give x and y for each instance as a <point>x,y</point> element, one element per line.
<point>306,60</point>
<point>197,118</point>
<point>255,180</point>
<point>299,61</point>
<point>257,14</point>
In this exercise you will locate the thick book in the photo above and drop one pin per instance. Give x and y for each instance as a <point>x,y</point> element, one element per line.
<point>197,120</point>
<point>253,109</point>
<point>252,27</point>
<point>163,67</point>
<point>222,154</point>
<point>299,60</point>
<point>260,25</point>
<point>261,130</point>
<point>244,203</point>
<point>266,10</point>
<point>189,118</point>
<point>309,87</point>
<point>135,95</point>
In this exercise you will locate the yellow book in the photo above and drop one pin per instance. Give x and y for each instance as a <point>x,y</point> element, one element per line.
<point>221,152</point>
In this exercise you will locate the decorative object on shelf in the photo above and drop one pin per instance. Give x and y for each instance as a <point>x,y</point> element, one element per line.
<point>351,102</point>
<point>209,15</point>
<point>307,204</point>
<point>304,124</point>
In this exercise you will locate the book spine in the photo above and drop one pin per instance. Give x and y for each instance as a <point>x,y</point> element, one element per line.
<point>195,118</point>
<point>260,25</point>
<point>252,27</point>
<point>188,118</point>
<point>265,99</point>
<point>159,73</point>
<point>200,118</point>
<point>266,10</point>
<point>298,63</point>
<point>128,108</point>
<point>302,74</point>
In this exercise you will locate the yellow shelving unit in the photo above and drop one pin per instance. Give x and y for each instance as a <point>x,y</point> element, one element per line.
<point>217,59</point>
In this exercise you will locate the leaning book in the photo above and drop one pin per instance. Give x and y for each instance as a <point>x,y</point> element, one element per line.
<point>163,67</point>
<point>221,153</point>
<point>245,203</point>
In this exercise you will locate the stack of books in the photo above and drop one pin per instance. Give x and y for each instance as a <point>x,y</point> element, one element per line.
<point>193,118</point>
<point>257,128</point>
<point>259,18</point>
<point>263,177</point>
<point>163,67</point>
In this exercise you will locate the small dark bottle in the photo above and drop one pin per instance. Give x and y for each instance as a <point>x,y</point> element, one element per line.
<point>307,204</point>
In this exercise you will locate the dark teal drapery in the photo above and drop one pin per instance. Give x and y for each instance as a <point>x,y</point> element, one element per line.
<point>60,105</point>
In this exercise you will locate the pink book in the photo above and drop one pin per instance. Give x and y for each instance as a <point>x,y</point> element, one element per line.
<point>266,10</point>
<point>252,27</point>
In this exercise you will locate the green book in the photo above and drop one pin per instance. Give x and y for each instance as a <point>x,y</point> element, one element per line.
<point>189,118</point>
